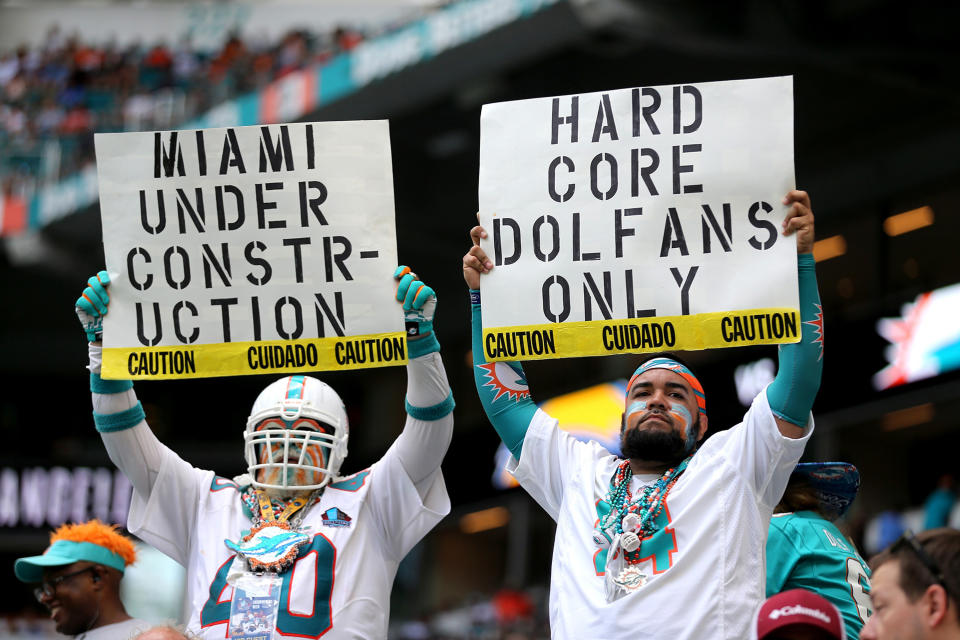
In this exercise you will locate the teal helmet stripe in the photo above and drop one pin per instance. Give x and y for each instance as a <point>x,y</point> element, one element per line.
<point>295,388</point>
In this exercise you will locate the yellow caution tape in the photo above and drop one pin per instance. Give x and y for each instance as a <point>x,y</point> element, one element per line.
<point>642,335</point>
<point>245,358</point>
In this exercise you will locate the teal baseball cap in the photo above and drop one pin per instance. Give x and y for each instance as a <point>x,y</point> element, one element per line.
<point>64,552</point>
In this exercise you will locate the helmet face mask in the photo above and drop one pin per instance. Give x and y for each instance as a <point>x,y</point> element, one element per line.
<point>296,435</point>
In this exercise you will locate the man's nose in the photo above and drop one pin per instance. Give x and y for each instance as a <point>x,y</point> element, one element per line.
<point>658,398</point>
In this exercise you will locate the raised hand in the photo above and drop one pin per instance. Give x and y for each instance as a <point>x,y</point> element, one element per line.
<point>419,303</point>
<point>92,304</point>
<point>475,261</point>
<point>799,220</point>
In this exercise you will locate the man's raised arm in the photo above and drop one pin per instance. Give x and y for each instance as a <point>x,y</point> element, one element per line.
<point>429,427</point>
<point>793,391</point>
<point>510,414</point>
<point>117,413</point>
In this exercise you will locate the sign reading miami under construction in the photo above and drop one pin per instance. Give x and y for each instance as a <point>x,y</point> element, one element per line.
<point>245,250</point>
<point>638,220</point>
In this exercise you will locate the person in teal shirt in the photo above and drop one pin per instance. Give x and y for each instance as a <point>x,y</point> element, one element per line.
<point>937,508</point>
<point>805,550</point>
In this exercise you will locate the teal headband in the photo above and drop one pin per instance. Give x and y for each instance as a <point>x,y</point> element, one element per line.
<point>672,365</point>
<point>64,552</point>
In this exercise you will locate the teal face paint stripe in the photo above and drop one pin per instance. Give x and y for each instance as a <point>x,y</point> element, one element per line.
<point>635,406</point>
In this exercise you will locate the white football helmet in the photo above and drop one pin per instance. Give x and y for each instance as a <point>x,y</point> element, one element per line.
<point>284,449</point>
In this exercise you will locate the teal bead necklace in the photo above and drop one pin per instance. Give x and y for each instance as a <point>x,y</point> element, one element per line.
<point>651,501</point>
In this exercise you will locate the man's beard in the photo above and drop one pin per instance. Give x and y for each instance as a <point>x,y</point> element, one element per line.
<point>653,445</point>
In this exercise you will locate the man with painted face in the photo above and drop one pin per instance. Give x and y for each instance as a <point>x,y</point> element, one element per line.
<point>329,545</point>
<point>667,542</point>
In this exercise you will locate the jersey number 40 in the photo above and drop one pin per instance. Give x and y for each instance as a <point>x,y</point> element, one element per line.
<point>306,625</point>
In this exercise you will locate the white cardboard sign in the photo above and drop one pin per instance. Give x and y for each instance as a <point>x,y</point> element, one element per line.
<point>638,220</point>
<point>249,250</point>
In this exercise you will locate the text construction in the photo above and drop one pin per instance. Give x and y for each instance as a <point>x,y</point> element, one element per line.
<point>245,250</point>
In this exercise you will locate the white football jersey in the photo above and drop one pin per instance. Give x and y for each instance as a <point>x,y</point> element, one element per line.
<point>340,585</point>
<point>705,564</point>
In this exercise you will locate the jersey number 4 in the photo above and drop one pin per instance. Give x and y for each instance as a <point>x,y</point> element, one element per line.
<point>319,558</point>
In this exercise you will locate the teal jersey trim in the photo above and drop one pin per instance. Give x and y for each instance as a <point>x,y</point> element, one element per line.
<point>792,392</point>
<point>99,385</point>
<point>111,422</point>
<point>509,407</point>
<point>435,412</point>
<point>351,483</point>
<point>805,551</point>
<point>423,346</point>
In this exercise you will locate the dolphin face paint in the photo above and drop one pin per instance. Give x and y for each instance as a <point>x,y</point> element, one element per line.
<point>682,415</point>
<point>310,455</point>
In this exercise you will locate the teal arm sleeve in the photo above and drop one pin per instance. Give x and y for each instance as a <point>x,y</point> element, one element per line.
<point>792,392</point>
<point>507,403</point>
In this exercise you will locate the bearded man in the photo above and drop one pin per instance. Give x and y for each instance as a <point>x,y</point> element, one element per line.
<point>667,542</point>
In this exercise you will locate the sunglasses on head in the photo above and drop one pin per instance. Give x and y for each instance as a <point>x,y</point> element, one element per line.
<point>909,541</point>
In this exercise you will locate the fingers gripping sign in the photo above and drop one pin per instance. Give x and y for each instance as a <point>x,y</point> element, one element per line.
<point>419,305</point>
<point>475,261</point>
<point>799,219</point>
<point>91,306</point>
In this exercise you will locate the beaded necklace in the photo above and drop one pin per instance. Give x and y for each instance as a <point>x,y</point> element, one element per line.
<point>644,509</point>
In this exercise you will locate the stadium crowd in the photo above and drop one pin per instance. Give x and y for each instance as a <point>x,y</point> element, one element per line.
<point>53,97</point>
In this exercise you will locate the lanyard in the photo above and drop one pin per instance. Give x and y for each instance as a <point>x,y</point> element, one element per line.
<point>266,508</point>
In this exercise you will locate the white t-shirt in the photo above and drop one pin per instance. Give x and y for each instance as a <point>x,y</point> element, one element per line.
<point>339,587</point>
<point>705,565</point>
<point>116,631</point>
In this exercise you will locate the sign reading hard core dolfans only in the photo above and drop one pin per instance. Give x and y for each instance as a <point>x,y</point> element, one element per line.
<point>249,250</point>
<point>638,220</point>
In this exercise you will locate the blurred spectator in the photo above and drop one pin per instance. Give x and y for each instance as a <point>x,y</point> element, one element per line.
<point>916,583</point>
<point>798,615</point>
<point>62,91</point>
<point>156,68</point>
<point>512,606</point>
<point>50,117</point>
<point>936,510</point>
<point>186,63</point>
<point>230,57</point>
<point>9,67</point>
<point>346,39</point>
<point>889,528</point>
<point>78,578</point>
